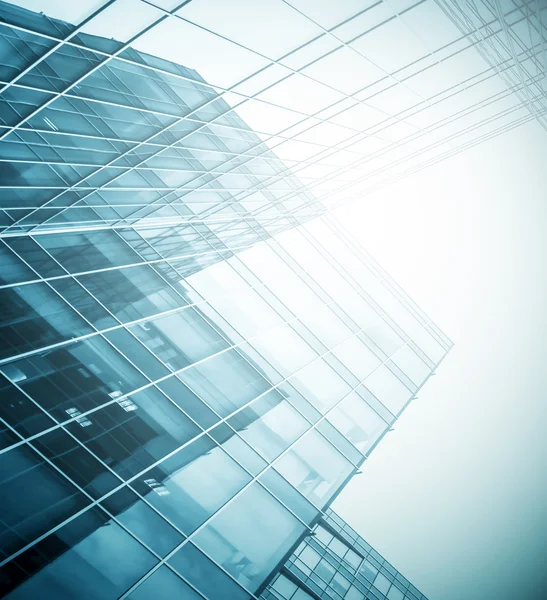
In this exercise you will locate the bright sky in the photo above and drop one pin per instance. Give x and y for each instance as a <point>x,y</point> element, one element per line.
<point>455,497</point>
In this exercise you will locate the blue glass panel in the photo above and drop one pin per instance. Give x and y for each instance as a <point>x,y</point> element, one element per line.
<point>285,492</point>
<point>77,296</point>
<point>135,431</point>
<point>226,381</point>
<point>207,577</point>
<point>75,378</point>
<point>90,558</point>
<point>21,412</point>
<point>12,268</point>
<point>34,497</point>
<point>76,462</point>
<point>35,256</point>
<point>132,349</point>
<point>250,536</point>
<point>141,520</point>
<point>191,485</point>
<point>180,338</point>
<point>132,293</point>
<point>188,401</point>
<point>34,316</point>
<point>164,584</point>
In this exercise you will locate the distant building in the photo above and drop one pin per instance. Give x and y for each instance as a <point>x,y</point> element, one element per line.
<point>335,563</point>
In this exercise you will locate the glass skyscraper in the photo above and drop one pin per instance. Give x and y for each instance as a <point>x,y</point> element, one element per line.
<point>195,356</point>
<point>335,563</point>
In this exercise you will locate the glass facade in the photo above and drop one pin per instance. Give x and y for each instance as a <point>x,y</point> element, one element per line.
<point>335,563</point>
<point>195,425</point>
<point>97,131</point>
<point>95,141</point>
<point>191,368</point>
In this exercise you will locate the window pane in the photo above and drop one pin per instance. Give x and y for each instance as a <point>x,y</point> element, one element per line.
<point>188,401</point>
<point>164,584</point>
<point>368,570</point>
<point>357,421</point>
<point>357,357</point>
<point>181,338</point>
<point>83,302</point>
<point>21,412</point>
<point>34,316</point>
<point>76,462</point>
<point>226,382</point>
<point>75,378</point>
<point>142,521</point>
<point>388,389</point>
<point>207,577</point>
<point>90,558</point>
<point>284,349</point>
<point>133,350</point>
<point>132,293</point>
<point>12,268</point>
<point>382,583</point>
<point>284,586</point>
<point>286,493</point>
<point>320,384</point>
<point>250,536</point>
<point>26,516</point>
<point>269,425</point>
<point>314,467</point>
<point>191,485</point>
<point>80,252</point>
<point>131,434</point>
<point>310,557</point>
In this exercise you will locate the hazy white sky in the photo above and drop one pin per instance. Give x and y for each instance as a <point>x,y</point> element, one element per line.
<point>455,497</point>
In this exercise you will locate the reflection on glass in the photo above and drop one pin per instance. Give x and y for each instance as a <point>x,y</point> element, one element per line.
<point>91,558</point>
<point>193,484</point>
<point>249,537</point>
<point>357,421</point>
<point>205,575</point>
<point>314,467</point>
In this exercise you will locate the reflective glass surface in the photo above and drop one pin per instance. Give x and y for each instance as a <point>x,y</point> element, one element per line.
<point>335,562</point>
<point>194,356</point>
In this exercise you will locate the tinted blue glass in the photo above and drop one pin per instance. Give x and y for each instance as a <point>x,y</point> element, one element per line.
<point>286,493</point>
<point>83,302</point>
<point>235,538</point>
<point>132,293</point>
<point>188,401</point>
<point>90,558</point>
<point>20,411</point>
<point>75,378</point>
<point>76,462</point>
<point>226,382</point>
<point>34,497</point>
<point>12,268</point>
<point>141,520</point>
<point>243,453</point>
<point>135,431</point>
<point>34,256</point>
<point>34,316</point>
<point>80,252</point>
<point>132,349</point>
<point>7,436</point>
<point>192,484</point>
<point>180,338</point>
<point>164,584</point>
<point>207,577</point>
